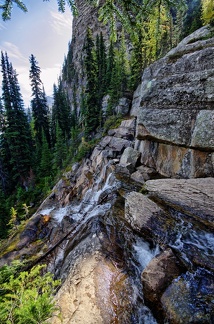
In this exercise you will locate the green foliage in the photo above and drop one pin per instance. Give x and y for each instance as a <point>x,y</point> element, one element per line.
<point>111,123</point>
<point>16,141</point>
<point>38,103</point>
<point>91,110</point>
<point>84,149</point>
<point>46,158</point>
<point>26,298</point>
<point>60,149</point>
<point>13,217</point>
<point>7,6</point>
<point>7,271</point>
<point>120,73</point>
<point>208,11</point>
<point>61,114</point>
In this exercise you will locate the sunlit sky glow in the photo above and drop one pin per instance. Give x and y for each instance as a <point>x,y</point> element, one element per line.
<point>43,32</point>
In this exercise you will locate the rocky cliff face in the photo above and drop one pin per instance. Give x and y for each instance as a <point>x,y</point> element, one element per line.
<point>174,109</point>
<point>130,229</point>
<point>87,18</point>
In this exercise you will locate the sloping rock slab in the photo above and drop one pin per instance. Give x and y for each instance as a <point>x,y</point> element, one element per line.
<point>147,217</point>
<point>193,197</point>
<point>93,287</point>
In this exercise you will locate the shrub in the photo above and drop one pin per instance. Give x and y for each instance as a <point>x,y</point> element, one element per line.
<point>28,297</point>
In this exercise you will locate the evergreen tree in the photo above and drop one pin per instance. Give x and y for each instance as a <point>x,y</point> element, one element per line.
<point>61,114</point>
<point>17,135</point>
<point>59,149</point>
<point>46,158</point>
<point>2,116</point>
<point>119,74</point>
<point>91,113</point>
<point>101,61</point>
<point>39,103</point>
<point>110,65</point>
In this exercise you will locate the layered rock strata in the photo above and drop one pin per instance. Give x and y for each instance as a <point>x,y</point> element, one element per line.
<point>174,106</point>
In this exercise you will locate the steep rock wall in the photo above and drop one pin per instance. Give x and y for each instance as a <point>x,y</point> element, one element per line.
<point>87,18</point>
<point>174,106</point>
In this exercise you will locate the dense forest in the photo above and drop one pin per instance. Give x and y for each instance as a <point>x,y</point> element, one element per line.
<point>39,142</point>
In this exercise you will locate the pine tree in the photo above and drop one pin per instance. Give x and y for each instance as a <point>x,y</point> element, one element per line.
<point>61,114</point>
<point>119,72</point>
<point>101,61</point>
<point>46,158</point>
<point>39,102</point>
<point>91,113</point>
<point>2,116</point>
<point>17,135</point>
<point>110,65</point>
<point>59,149</point>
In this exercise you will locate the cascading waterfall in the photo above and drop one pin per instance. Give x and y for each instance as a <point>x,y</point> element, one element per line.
<point>95,226</point>
<point>95,208</point>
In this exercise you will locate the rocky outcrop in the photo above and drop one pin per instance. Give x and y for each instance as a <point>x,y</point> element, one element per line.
<point>174,106</point>
<point>192,197</point>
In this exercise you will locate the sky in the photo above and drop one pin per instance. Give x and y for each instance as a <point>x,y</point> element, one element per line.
<point>43,32</point>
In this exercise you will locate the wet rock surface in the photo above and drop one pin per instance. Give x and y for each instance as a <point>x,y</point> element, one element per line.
<point>189,298</point>
<point>157,276</point>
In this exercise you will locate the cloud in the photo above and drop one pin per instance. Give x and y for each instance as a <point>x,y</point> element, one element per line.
<point>2,26</point>
<point>49,76</point>
<point>61,22</point>
<point>13,52</point>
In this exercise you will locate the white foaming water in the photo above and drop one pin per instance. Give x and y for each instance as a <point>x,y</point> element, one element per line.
<point>186,234</point>
<point>91,205</point>
<point>144,254</point>
<point>202,240</point>
<point>46,211</point>
<point>59,214</point>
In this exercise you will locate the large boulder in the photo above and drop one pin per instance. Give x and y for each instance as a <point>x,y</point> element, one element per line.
<point>158,275</point>
<point>126,130</point>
